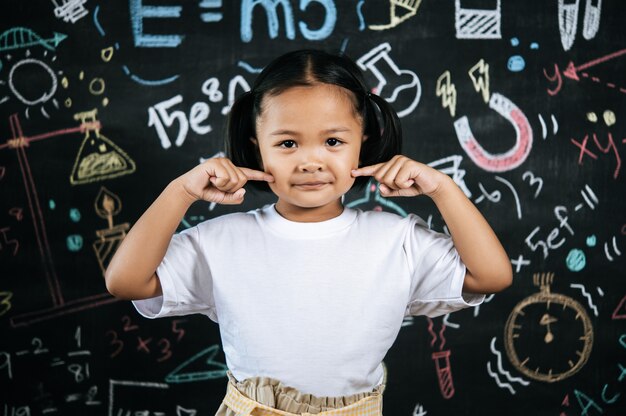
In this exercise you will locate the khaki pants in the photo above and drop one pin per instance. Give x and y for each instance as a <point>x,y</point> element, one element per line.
<point>264,396</point>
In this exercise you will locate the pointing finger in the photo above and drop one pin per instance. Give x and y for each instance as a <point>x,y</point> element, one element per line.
<point>257,175</point>
<point>366,170</point>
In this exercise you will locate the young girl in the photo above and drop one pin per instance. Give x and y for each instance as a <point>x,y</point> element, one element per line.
<point>309,294</point>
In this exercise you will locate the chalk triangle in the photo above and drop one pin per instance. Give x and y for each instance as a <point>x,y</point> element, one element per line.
<point>620,311</point>
<point>570,72</point>
<point>99,158</point>
<point>565,401</point>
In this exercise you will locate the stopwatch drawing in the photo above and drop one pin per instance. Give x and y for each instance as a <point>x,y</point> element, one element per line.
<point>548,336</point>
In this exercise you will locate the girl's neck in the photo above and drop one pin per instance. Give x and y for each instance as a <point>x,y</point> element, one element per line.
<point>304,214</point>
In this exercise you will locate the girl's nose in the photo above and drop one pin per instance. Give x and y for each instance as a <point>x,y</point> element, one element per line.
<point>311,162</point>
<point>311,166</point>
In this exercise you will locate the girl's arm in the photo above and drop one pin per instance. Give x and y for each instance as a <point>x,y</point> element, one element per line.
<point>488,266</point>
<point>131,274</point>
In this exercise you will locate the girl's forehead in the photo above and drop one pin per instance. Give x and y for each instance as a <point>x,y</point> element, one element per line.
<point>323,95</point>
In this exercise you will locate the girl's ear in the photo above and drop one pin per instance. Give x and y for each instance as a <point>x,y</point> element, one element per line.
<point>255,141</point>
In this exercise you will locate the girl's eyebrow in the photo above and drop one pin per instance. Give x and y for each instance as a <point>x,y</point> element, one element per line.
<point>331,130</point>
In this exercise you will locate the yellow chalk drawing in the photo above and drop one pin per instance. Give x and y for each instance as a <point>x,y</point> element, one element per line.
<point>548,336</point>
<point>447,91</point>
<point>98,158</point>
<point>107,204</point>
<point>106,54</point>
<point>479,74</point>
<point>407,9</point>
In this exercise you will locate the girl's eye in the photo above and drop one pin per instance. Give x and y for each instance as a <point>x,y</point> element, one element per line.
<point>333,142</point>
<point>288,144</point>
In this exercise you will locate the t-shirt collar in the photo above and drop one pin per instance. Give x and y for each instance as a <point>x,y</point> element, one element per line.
<point>305,230</point>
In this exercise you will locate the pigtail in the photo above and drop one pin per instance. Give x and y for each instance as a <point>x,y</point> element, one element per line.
<point>388,139</point>
<point>241,129</point>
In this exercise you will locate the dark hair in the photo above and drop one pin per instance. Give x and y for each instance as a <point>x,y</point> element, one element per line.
<point>304,68</point>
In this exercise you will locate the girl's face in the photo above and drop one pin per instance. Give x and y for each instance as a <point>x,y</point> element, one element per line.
<point>309,139</point>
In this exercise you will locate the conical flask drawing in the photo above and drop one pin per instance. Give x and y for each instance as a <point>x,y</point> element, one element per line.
<point>98,157</point>
<point>393,82</point>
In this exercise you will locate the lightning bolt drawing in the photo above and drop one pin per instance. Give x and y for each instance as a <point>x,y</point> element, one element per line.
<point>479,74</point>
<point>447,91</point>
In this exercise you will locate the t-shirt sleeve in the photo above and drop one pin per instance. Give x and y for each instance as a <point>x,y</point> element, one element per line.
<point>437,272</point>
<point>185,278</point>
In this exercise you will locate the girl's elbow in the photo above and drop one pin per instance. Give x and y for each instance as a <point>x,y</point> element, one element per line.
<point>503,279</point>
<point>507,276</point>
<point>497,280</point>
<point>112,282</point>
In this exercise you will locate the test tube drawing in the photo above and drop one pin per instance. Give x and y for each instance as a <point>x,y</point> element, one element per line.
<point>477,23</point>
<point>568,20</point>
<point>392,81</point>
<point>444,373</point>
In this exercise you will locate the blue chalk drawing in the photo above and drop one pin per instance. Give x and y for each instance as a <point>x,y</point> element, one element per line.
<point>344,45</point>
<point>75,215</point>
<point>367,198</point>
<point>52,204</point>
<point>211,16</point>
<point>138,12</point>
<point>74,242</point>
<point>329,21</point>
<point>149,82</point>
<point>516,63</point>
<point>591,241</point>
<point>271,11</point>
<point>249,67</point>
<point>214,369</point>
<point>96,22</point>
<point>576,260</point>
<point>22,37</point>
<point>359,12</point>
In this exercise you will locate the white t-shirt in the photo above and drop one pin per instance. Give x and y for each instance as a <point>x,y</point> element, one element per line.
<point>315,305</point>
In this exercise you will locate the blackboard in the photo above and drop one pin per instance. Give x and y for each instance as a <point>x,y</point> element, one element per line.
<point>522,103</point>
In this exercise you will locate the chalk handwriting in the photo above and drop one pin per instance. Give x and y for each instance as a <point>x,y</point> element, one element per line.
<point>271,11</point>
<point>162,116</point>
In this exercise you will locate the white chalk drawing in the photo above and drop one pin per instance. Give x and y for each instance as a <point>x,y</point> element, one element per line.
<point>477,23</point>
<point>453,171</point>
<point>70,10</point>
<point>502,371</point>
<point>392,81</point>
<point>568,20</point>
<point>24,91</point>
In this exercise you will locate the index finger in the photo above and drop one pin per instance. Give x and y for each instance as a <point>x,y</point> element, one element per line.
<point>257,175</point>
<point>367,170</point>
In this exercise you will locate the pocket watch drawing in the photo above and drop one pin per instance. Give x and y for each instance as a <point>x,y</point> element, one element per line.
<point>548,336</point>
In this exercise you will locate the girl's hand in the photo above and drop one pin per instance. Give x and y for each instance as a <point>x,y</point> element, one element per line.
<point>402,176</point>
<point>219,180</point>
